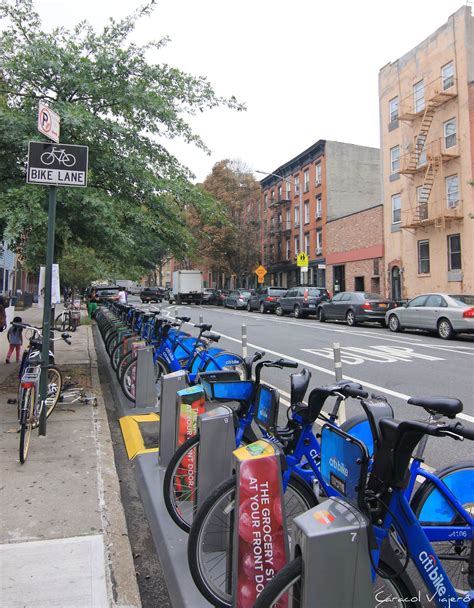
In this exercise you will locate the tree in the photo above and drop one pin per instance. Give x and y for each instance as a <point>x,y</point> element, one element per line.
<point>232,246</point>
<point>112,99</point>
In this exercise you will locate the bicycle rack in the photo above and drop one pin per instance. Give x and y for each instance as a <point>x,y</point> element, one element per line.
<point>216,436</point>
<point>170,385</point>
<point>145,389</point>
<point>332,537</point>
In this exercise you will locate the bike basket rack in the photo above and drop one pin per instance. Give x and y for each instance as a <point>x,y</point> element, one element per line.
<point>267,403</point>
<point>344,463</point>
<point>31,375</point>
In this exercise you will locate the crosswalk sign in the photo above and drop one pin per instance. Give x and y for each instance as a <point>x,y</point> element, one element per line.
<point>302,259</point>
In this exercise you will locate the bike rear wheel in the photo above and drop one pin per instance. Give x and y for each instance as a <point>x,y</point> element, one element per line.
<point>208,563</point>
<point>432,509</point>
<point>27,411</point>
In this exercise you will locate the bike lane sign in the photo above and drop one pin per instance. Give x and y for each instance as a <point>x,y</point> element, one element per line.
<point>57,164</point>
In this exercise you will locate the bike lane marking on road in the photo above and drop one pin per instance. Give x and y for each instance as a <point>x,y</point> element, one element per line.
<point>380,353</point>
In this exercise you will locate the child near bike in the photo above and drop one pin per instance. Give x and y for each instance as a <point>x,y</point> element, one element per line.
<point>15,340</point>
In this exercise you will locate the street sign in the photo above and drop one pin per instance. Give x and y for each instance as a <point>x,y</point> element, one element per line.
<point>48,122</point>
<point>57,165</point>
<point>261,271</point>
<point>302,260</point>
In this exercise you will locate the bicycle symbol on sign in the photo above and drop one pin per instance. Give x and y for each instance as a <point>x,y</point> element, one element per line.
<point>59,154</point>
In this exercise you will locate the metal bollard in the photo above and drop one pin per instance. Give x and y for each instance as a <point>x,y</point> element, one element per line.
<point>201,319</point>
<point>216,436</point>
<point>244,340</point>
<point>321,536</point>
<point>170,385</point>
<point>145,390</point>
<point>338,374</point>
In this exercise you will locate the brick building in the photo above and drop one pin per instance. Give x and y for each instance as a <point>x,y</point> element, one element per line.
<point>427,127</point>
<point>330,180</point>
<point>354,255</point>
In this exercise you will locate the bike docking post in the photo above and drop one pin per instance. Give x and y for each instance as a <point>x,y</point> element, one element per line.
<point>216,444</point>
<point>260,537</point>
<point>145,390</point>
<point>338,374</point>
<point>171,384</point>
<point>244,340</point>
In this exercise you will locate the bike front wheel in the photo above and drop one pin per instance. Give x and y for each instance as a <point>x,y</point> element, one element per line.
<point>27,412</point>
<point>395,591</point>
<point>211,536</point>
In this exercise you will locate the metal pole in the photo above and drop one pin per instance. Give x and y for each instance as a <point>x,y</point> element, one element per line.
<point>302,274</point>
<point>338,373</point>
<point>47,306</point>
<point>244,340</point>
<point>201,319</point>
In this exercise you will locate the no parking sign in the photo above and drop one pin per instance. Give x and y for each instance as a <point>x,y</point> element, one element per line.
<point>48,122</point>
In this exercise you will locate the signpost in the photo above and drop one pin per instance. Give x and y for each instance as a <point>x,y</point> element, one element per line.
<point>261,271</point>
<point>53,165</point>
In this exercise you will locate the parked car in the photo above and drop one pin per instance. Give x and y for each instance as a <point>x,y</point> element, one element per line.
<point>301,301</point>
<point>265,298</point>
<point>442,313</point>
<point>238,298</point>
<point>103,292</point>
<point>152,294</point>
<point>209,296</point>
<point>355,307</point>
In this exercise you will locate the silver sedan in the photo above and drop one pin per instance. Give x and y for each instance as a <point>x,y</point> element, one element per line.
<point>445,314</point>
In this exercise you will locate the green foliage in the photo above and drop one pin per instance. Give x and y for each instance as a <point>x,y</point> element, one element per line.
<point>112,99</point>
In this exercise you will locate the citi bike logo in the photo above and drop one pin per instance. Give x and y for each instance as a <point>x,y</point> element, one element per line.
<point>429,565</point>
<point>339,466</point>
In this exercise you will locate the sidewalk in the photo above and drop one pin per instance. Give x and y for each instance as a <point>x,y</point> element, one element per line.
<point>63,536</point>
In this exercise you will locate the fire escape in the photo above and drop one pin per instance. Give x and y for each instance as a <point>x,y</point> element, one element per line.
<point>428,206</point>
<point>278,229</point>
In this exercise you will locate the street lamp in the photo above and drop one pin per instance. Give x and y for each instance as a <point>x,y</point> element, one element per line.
<point>292,181</point>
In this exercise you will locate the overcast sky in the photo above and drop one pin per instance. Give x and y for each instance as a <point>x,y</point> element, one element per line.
<point>306,69</point>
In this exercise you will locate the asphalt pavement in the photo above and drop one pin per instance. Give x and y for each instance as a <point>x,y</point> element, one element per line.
<point>395,365</point>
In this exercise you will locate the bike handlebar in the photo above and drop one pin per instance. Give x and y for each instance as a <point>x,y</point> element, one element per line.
<point>349,391</point>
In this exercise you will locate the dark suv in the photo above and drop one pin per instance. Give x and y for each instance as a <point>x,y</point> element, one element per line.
<point>265,299</point>
<point>152,294</point>
<point>301,301</point>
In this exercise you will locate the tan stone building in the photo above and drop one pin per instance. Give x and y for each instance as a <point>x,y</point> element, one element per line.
<point>427,125</point>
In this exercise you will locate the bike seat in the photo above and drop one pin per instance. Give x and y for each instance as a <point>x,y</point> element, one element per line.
<point>446,406</point>
<point>203,326</point>
<point>185,320</point>
<point>299,385</point>
<point>213,337</point>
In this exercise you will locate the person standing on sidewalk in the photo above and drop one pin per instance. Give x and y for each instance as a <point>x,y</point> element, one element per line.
<point>3,314</point>
<point>92,304</point>
<point>121,297</point>
<point>15,339</point>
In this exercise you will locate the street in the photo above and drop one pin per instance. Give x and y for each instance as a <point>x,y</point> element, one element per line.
<point>394,365</point>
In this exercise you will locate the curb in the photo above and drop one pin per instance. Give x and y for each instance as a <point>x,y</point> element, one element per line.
<point>120,569</point>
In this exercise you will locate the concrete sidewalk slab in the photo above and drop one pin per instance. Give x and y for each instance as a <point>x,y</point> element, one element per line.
<point>67,489</point>
<point>74,565</point>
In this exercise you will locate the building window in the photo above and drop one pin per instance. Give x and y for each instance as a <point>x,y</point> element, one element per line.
<point>297,245</point>
<point>422,195</point>
<point>376,267</point>
<point>306,212</point>
<point>318,174</point>
<point>297,184</point>
<point>393,109</point>
<point>319,208</point>
<point>454,252</point>
<point>395,159</point>
<point>297,216</point>
<point>279,193</point>
<point>450,133</point>
<point>447,75</point>
<point>419,96</point>
<point>319,242</point>
<point>265,200</point>
<point>288,218</point>
<point>452,191</point>
<point>306,244</point>
<point>423,257</point>
<point>306,180</point>
<point>396,209</point>
<point>288,190</point>
<point>272,197</point>
<point>421,151</point>
<point>288,253</point>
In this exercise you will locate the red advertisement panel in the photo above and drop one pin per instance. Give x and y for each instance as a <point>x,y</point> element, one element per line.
<point>262,538</point>
<point>191,405</point>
